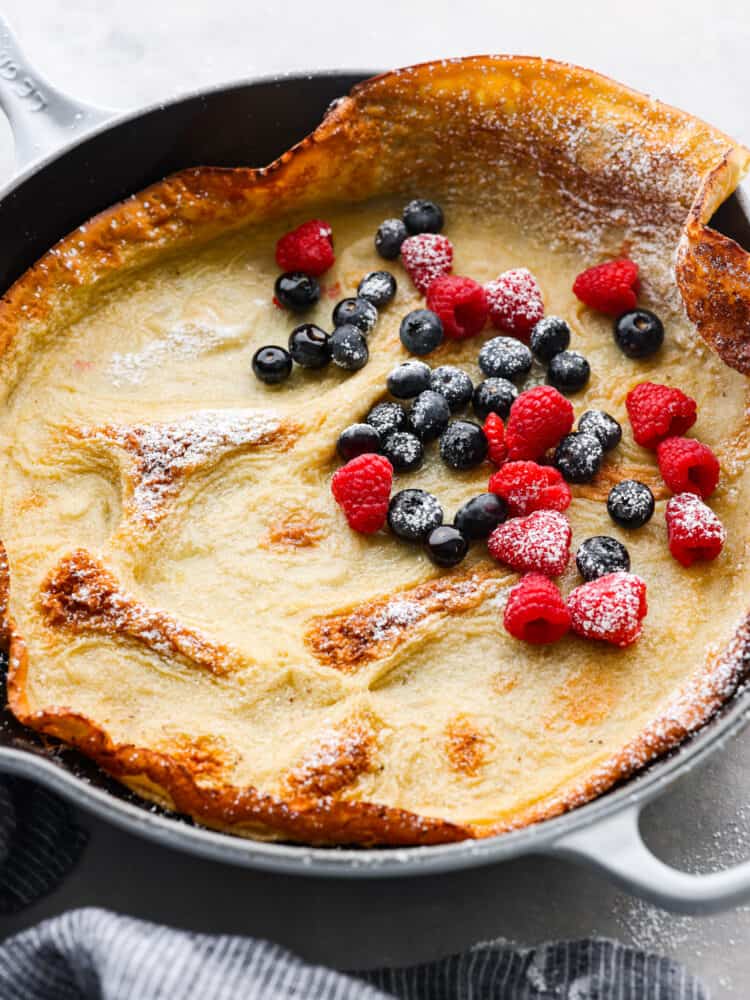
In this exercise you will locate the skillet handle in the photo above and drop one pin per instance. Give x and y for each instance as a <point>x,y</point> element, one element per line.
<point>41,117</point>
<point>615,847</point>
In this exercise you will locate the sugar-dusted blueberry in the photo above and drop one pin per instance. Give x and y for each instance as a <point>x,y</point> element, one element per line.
<point>422,216</point>
<point>639,333</point>
<point>494,395</point>
<point>296,291</point>
<point>272,364</point>
<point>349,348</point>
<point>446,545</point>
<point>310,346</point>
<point>421,331</point>
<point>548,337</point>
<point>357,439</point>
<point>600,555</point>
<point>453,383</point>
<point>356,312</point>
<point>387,418</point>
<point>429,415</point>
<point>378,287</point>
<point>408,379</point>
<point>479,516</point>
<point>568,371</point>
<point>404,451</point>
<point>389,237</point>
<point>578,457</point>
<point>630,503</point>
<point>601,425</point>
<point>414,514</point>
<point>463,444</point>
<point>505,357</point>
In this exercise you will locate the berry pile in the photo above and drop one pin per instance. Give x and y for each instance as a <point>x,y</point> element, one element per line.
<point>304,254</point>
<point>530,435</point>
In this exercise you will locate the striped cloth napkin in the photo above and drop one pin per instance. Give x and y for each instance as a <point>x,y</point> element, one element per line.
<point>91,954</point>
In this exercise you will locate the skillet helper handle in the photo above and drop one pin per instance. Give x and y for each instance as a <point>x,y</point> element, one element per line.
<point>615,847</point>
<point>41,117</point>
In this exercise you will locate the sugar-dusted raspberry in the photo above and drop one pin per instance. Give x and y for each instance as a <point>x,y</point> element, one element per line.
<point>515,302</point>
<point>526,487</point>
<point>461,304</point>
<point>611,608</point>
<point>695,533</point>
<point>494,431</point>
<point>659,411</point>
<point>538,543</point>
<point>610,287</point>
<point>535,610</point>
<point>362,489</point>
<point>426,257</point>
<point>538,421</point>
<point>687,466</point>
<point>308,248</point>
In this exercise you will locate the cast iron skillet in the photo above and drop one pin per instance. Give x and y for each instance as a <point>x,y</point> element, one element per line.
<point>74,160</point>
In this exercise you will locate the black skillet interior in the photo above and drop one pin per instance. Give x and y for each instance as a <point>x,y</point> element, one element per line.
<point>243,125</point>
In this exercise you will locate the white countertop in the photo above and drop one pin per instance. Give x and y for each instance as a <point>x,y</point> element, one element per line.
<point>124,54</point>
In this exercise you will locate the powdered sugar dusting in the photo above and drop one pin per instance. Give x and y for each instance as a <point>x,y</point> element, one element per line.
<point>397,615</point>
<point>165,453</point>
<point>183,343</point>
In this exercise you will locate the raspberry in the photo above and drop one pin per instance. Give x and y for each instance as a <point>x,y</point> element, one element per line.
<point>426,257</point>
<point>535,611</point>
<point>307,248</point>
<point>609,608</point>
<point>694,531</point>
<point>610,287</point>
<point>494,431</point>
<point>461,304</point>
<point>515,302</point>
<point>362,489</point>
<point>538,420</point>
<point>539,542</point>
<point>526,487</point>
<point>687,466</point>
<point>659,411</point>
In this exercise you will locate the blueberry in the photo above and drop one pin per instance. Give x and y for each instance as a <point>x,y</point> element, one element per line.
<point>463,444</point>
<point>600,555</point>
<point>494,395</point>
<point>357,312</point>
<point>414,514</point>
<point>453,383</point>
<point>429,415</point>
<point>296,290</point>
<point>421,331</point>
<point>639,333</point>
<point>578,457</point>
<point>377,287</point>
<point>389,237</point>
<point>422,216</point>
<point>568,371</point>
<point>310,346</point>
<point>272,364</point>
<point>446,546</point>
<point>357,440</point>
<point>387,418</point>
<point>630,503</point>
<point>479,516</point>
<point>505,357</point>
<point>404,451</point>
<point>601,425</point>
<point>349,348</point>
<point>550,336</point>
<point>409,379</point>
